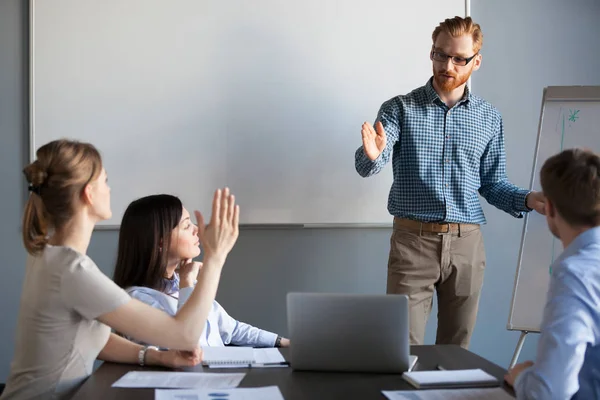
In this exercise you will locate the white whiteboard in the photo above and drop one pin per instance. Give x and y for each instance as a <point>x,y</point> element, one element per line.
<point>264,96</point>
<point>570,118</point>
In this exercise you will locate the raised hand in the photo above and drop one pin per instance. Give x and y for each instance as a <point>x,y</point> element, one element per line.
<point>188,272</point>
<point>219,236</point>
<point>374,140</point>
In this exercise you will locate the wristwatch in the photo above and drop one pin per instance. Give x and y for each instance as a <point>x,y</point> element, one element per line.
<point>278,341</point>
<point>142,354</point>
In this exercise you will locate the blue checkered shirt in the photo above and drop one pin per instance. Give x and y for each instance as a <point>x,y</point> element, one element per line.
<point>442,158</point>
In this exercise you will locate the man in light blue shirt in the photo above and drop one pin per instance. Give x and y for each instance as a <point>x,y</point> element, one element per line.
<point>567,364</point>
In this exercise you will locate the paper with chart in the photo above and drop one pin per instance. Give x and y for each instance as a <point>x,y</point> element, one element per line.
<point>448,394</point>
<point>167,379</point>
<point>564,124</point>
<point>264,393</point>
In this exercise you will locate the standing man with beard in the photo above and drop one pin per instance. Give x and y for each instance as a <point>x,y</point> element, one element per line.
<point>448,147</point>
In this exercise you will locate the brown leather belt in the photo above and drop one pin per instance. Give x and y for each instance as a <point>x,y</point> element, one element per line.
<point>434,227</point>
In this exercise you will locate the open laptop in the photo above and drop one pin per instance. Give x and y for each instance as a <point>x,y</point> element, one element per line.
<point>349,332</point>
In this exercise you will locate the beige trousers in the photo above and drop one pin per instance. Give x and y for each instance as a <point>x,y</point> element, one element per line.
<point>450,263</point>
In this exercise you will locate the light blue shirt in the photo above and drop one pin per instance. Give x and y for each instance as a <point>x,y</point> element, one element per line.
<point>443,158</point>
<point>220,328</point>
<point>567,364</point>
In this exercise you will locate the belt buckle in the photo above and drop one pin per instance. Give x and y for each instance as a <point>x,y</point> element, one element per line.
<point>447,224</point>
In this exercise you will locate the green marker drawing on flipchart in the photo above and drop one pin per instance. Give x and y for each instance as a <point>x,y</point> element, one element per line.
<point>573,116</point>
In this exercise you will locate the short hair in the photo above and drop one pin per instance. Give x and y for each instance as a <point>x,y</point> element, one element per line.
<point>571,181</point>
<point>459,26</point>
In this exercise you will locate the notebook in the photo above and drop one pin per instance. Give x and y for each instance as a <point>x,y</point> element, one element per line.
<point>241,356</point>
<point>450,379</point>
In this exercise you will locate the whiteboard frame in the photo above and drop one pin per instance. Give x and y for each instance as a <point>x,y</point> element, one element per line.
<point>32,143</point>
<point>551,93</point>
<point>31,81</point>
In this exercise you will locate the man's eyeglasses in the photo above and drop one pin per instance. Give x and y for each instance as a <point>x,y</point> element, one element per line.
<point>443,57</point>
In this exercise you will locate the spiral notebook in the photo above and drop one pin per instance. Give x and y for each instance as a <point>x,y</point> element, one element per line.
<point>241,356</point>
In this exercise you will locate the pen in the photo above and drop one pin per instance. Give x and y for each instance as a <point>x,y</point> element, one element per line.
<point>440,368</point>
<point>270,364</point>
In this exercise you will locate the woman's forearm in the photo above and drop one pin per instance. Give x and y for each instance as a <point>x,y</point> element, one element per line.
<point>120,350</point>
<point>192,315</point>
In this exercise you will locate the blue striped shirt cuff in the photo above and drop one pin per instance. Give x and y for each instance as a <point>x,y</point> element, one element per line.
<point>520,202</point>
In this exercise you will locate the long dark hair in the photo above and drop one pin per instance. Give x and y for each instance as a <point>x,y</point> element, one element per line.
<point>144,241</point>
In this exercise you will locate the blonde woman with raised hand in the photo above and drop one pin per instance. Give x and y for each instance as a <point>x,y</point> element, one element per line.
<point>68,305</point>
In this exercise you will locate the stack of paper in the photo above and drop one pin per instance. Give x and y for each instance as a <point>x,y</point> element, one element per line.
<point>450,379</point>
<point>165,379</point>
<point>450,394</point>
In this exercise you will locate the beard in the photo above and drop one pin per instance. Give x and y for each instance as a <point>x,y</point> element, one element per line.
<point>449,80</point>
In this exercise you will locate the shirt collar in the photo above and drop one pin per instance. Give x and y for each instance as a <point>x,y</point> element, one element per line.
<point>584,239</point>
<point>171,285</point>
<point>432,95</point>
